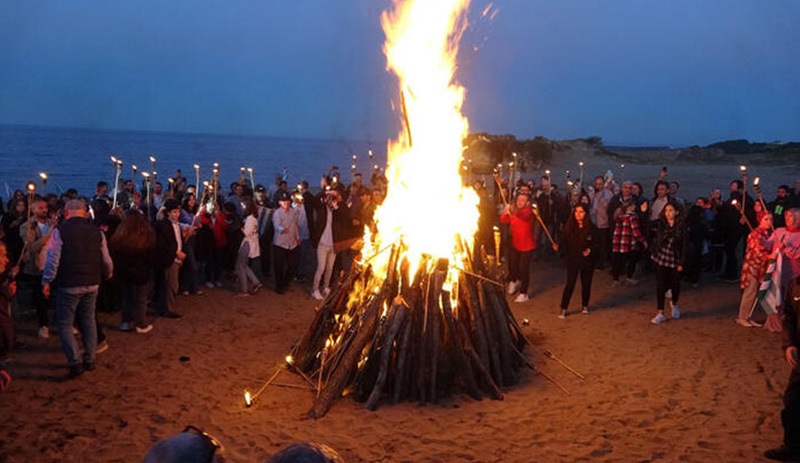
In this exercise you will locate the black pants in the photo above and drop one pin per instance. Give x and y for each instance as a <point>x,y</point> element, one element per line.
<point>585,268</point>
<point>519,268</point>
<point>731,264</point>
<point>790,415</point>
<point>694,262</point>
<point>37,299</point>
<point>285,261</point>
<point>7,334</point>
<point>667,278</point>
<point>602,239</point>
<point>264,243</point>
<point>623,261</point>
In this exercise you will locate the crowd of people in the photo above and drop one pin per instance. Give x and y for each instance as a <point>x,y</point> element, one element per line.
<point>619,225</point>
<point>136,251</point>
<point>616,226</point>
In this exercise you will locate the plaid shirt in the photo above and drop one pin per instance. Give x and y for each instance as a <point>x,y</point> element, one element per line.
<point>665,257</point>
<point>626,233</point>
<point>756,257</point>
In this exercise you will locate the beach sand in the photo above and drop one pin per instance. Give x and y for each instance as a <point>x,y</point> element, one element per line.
<point>696,389</point>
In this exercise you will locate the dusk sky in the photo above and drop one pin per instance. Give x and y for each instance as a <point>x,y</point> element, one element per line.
<point>633,72</point>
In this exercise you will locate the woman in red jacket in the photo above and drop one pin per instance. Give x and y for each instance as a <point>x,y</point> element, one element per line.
<point>520,219</point>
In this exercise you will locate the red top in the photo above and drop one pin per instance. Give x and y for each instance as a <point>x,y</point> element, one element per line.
<point>221,230</point>
<point>521,229</point>
<point>756,257</point>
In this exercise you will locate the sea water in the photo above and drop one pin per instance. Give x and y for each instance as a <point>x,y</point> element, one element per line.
<point>79,158</point>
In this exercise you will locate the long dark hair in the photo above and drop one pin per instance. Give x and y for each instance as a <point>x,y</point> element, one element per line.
<point>679,218</point>
<point>133,234</point>
<point>12,207</point>
<point>249,207</point>
<point>571,227</point>
<point>574,222</point>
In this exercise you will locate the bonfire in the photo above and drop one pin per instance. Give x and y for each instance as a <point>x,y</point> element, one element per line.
<point>421,314</point>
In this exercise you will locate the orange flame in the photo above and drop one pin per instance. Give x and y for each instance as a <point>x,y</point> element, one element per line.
<point>427,207</point>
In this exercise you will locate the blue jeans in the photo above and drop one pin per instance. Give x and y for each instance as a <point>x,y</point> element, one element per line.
<point>247,278</point>
<point>81,306</point>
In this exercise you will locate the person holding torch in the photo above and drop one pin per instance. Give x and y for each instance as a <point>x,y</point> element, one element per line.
<point>520,219</point>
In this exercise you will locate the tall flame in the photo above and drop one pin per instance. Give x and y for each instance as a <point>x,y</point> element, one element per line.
<point>427,206</point>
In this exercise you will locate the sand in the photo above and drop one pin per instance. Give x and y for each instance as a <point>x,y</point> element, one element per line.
<point>696,389</point>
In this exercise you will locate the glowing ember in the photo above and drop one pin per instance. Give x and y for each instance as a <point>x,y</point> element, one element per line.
<point>427,207</point>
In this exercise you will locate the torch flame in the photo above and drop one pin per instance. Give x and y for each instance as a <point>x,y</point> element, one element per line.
<point>424,161</point>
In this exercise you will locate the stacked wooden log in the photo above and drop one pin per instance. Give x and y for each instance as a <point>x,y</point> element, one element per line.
<point>420,340</point>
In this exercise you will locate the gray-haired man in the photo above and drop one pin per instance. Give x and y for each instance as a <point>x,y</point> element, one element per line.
<point>77,261</point>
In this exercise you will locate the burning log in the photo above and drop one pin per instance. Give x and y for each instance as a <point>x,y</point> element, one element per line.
<point>415,338</point>
<point>339,376</point>
<point>398,316</point>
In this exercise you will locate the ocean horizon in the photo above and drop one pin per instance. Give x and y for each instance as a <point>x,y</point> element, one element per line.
<point>76,157</point>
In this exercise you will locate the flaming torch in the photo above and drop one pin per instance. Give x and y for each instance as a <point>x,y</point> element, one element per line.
<point>31,187</point>
<point>197,176</point>
<point>43,177</point>
<point>215,180</point>
<point>514,170</point>
<point>146,176</point>
<point>740,208</point>
<point>118,164</point>
<point>153,166</point>
<point>743,169</point>
<point>252,178</point>
<point>759,193</point>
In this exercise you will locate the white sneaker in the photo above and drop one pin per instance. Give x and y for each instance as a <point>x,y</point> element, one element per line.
<point>43,332</point>
<point>145,329</point>
<point>326,291</point>
<point>562,315</point>
<point>522,297</point>
<point>101,347</point>
<point>668,294</point>
<point>658,319</point>
<point>676,311</point>
<point>317,295</point>
<point>585,310</point>
<point>512,287</point>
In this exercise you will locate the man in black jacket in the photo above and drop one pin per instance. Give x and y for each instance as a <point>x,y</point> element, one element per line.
<point>169,256</point>
<point>77,262</point>
<point>790,415</point>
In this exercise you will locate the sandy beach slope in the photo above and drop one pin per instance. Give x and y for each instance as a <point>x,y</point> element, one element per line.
<point>697,389</point>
